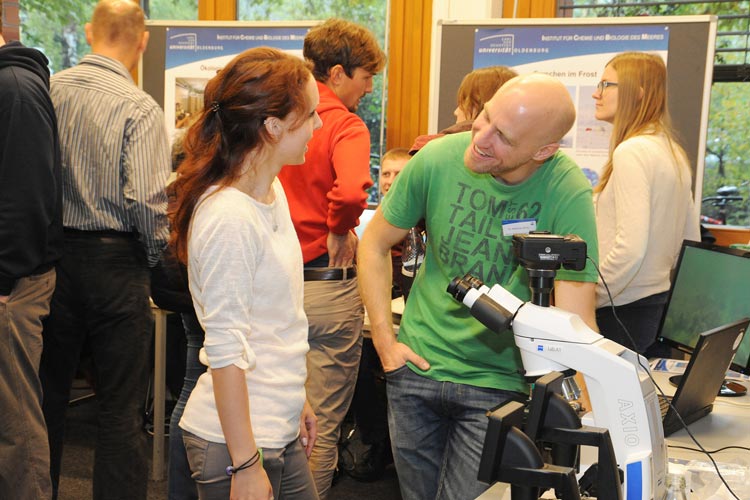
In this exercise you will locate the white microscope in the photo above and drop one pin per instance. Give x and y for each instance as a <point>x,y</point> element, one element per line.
<point>622,394</point>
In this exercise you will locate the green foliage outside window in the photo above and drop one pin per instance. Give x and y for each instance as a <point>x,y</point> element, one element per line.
<point>171,10</point>
<point>56,27</point>
<point>728,150</point>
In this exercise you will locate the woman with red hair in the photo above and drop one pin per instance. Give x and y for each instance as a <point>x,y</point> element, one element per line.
<point>248,429</point>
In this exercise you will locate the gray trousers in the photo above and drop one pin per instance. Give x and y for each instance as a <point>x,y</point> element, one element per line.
<point>286,468</point>
<point>24,451</point>
<point>335,314</point>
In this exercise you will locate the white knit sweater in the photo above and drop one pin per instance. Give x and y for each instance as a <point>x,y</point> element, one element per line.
<point>245,273</point>
<point>642,216</point>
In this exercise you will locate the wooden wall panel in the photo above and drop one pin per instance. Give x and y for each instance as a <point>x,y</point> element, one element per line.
<point>408,71</point>
<point>11,24</point>
<point>217,10</point>
<point>529,8</point>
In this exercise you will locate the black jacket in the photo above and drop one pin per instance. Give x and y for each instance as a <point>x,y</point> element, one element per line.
<point>30,171</point>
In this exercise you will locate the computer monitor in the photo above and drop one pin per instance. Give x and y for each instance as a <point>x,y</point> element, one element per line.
<point>710,288</point>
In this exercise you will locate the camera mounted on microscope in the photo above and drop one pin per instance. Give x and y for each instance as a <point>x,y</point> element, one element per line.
<point>542,250</point>
<point>542,254</point>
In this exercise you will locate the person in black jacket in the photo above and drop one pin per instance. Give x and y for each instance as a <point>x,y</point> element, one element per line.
<point>30,244</point>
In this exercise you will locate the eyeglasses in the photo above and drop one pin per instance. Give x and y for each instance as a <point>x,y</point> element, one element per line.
<point>603,85</point>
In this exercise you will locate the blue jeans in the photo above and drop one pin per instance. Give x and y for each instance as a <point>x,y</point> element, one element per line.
<point>437,434</point>
<point>287,469</point>
<point>102,298</point>
<point>180,485</point>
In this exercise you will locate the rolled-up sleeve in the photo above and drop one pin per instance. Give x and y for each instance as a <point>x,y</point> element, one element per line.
<point>222,256</point>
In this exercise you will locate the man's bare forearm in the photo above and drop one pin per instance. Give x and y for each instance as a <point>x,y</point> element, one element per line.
<point>375,281</point>
<point>376,278</point>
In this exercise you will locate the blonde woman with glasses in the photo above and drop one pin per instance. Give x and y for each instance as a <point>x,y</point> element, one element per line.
<point>644,204</point>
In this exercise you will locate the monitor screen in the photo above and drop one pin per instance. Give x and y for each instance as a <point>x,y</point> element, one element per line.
<point>711,287</point>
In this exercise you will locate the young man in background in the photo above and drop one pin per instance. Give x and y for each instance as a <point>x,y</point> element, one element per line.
<point>326,197</point>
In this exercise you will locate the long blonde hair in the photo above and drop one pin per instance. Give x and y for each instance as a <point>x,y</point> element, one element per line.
<point>641,105</point>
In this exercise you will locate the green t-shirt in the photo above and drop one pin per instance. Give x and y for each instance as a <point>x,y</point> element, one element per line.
<point>464,212</point>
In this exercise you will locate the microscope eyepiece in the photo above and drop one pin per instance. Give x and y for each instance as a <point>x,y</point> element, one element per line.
<point>458,287</point>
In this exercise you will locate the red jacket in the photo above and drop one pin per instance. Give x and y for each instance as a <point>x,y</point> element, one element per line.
<point>328,192</point>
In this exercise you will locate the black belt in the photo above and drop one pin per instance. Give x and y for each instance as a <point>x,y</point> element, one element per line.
<point>330,273</point>
<point>106,237</point>
<point>107,233</point>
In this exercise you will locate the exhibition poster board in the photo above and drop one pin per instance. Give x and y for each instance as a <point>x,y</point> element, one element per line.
<point>576,50</point>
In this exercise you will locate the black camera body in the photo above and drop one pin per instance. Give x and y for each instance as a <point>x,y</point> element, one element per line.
<point>545,251</point>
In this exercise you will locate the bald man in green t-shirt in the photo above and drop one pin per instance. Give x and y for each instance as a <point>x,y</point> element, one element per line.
<point>474,190</point>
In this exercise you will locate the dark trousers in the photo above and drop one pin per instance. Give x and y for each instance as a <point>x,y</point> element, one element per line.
<point>641,318</point>
<point>369,402</point>
<point>181,485</point>
<point>102,298</point>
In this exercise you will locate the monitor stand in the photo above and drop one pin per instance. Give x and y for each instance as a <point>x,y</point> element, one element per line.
<point>728,389</point>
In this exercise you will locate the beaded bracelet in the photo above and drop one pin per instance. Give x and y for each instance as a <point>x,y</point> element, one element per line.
<point>250,462</point>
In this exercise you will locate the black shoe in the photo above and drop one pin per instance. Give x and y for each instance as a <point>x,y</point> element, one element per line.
<point>371,465</point>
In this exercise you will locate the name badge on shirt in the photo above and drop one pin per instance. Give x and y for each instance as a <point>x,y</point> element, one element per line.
<point>518,226</point>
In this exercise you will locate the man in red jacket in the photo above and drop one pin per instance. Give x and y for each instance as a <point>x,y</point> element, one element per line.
<point>326,195</point>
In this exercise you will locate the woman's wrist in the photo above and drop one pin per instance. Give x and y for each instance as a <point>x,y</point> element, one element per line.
<point>256,458</point>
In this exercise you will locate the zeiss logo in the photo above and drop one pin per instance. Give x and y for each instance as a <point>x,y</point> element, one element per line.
<point>540,348</point>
